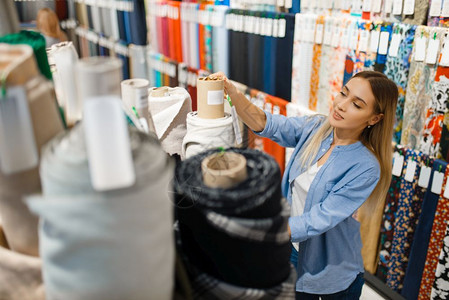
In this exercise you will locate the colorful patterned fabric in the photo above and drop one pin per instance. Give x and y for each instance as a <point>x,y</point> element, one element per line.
<point>402,221</point>
<point>370,59</point>
<point>315,73</point>
<point>419,16</point>
<point>397,69</point>
<point>418,95</point>
<point>381,59</point>
<point>433,21</point>
<point>435,244</point>
<point>440,289</point>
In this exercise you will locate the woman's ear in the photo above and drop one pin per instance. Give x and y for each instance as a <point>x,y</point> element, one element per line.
<point>375,119</point>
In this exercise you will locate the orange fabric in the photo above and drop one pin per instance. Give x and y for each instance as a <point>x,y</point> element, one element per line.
<point>177,32</point>
<point>315,76</point>
<point>171,36</point>
<point>201,42</point>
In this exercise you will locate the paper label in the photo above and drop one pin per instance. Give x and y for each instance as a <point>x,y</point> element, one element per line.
<point>444,61</point>
<point>336,37</point>
<point>435,8</point>
<point>236,125</point>
<point>257,25</point>
<point>108,145</point>
<point>282,27</point>
<point>280,3</point>
<point>410,171</point>
<point>424,177</point>
<point>432,51</point>
<point>18,150</point>
<point>388,6</point>
<point>215,97</point>
<point>327,39</point>
<point>366,5</point>
<point>374,41</point>
<point>364,38</point>
<point>269,29</point>
<point>409,7</point>
<point>397,164</point>
<point>445,10</point>
<point>446,190</point>
<point>141,98</point>
<point>394,45</point>
<point>377,6</point>
<point>420,48</point>
<point>397,7</point>
<point>354,40</point>
<point>344,41</point>
<point>268,107</point>
<point>383,43</point>
<point>288,4</point>
<point>319,33</point>
<point>437,182</point>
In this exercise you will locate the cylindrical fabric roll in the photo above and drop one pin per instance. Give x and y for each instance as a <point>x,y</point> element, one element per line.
<point>220,42</point>
<point>246,223</point>
<point>65,59</point>
<point>20,227</point>
<point>9,20</point>
<point>185,37</point>
<point>169,112</point>
<point>138,24</point>
<point>114,24</point>
<point>109,245</point>
<point>210,98</point>
<point>284,59</point>
<point>193,37</point>
<point>96,19</point>
<point>135,96</point>
<point>106,21</point>
<point>137,57</point>
<point>223,170</point>
<point>97,76</point>
<point>203,134</point>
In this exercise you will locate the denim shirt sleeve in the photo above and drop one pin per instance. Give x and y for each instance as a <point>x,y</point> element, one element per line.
<point>286,131</point>
<point>336,207</point>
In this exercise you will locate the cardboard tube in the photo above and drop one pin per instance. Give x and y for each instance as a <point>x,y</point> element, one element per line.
<point>210,98</point>
<point>224,170</point>
<point>159,92</point>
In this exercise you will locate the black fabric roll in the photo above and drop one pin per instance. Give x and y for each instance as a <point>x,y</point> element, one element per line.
<point>245,224</point>
<point>238,53</point>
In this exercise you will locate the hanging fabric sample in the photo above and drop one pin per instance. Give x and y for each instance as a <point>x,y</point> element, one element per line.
<point>169,108</point>
<point>433,18</point>
<point>98,247</point>
<point>29,118</point>
<point>244,222</point>
<point>419,16</point>
<point>316,62</point>
<point>397,68</point>
<point>439,289</point>
<point>435,242</point>
<point>371,53</point>
<point>284,54</point>
<point>208,40</point>
<point>386,30</point>
<point>270,54</point>
<point>421,241</point>
<point>418,94</point>
<point>220,41</point>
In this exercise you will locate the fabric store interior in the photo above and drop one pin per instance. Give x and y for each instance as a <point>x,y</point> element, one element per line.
<point>132,173</point>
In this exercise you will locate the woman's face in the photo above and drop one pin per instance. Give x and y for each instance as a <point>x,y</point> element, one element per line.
<point>353,108</point>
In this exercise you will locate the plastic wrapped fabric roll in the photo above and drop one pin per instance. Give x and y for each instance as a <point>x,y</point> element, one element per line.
<point>20,226</point>
<point>204,134</point>
<point>65,58</point>
<point>117,241</point>
<point>9,20</point>
<point>169,112</point>
<point>135,96</point>
<point>246,223</point>
<point>37,42</point>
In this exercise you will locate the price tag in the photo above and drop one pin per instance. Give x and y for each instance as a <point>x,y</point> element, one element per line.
<point>374,41</point>
<point>446,190</point>
<point>420,48</point>
<point>236,125</point>
<point>435,8</point>
<point>319,34</point>
<point>257,26</point>
<point>397,7</point>
<point>397,164</point>
<point>215,97</point>
<point>410,171</point>
<point>388,6</point>
<point>432,51</point>
<point>282,27</point>
<point>437,182</point>
<point>344,42</point>
<point>281,3</point>
<point>445,55</point>
<point>275,31</point>
<point>270,26</point>
<point>377,6</point>
<point>445,10</point>
<point>327,39</point>
<point>367,5</point>
<point>336,36</point>
<point>409,7</point>
<point>394,45</point>
<point>18,149</point>
<point>354,39</point>
<point>364,38</point>
<point>383,43</point>
<point>424,177</point>
<point>288,4</point>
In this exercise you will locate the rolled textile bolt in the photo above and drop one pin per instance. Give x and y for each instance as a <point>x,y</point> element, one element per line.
<point>210,98</point>
<point>159,92</point>
<point>224,170</point>
<point>135,94</point>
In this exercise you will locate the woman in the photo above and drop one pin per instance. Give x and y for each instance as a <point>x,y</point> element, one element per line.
<point>47,23</point>
<point>339,162</point>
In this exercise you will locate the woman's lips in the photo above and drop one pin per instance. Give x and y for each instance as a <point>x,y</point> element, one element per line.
<point>337,116</point>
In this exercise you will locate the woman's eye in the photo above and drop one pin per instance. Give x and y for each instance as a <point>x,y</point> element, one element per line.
<point>343,94</point>
<point>356,105</point>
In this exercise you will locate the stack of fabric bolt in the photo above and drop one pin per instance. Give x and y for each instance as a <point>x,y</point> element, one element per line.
<point>245,222</point>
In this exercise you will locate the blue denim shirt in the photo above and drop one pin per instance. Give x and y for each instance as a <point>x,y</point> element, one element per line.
<point>329,256</point>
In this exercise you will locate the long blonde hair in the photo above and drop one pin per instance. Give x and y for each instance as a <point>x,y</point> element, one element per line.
<point>377,139</point>
<point>47,22</point>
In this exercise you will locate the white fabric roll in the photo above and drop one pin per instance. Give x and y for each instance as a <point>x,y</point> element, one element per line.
<point>220,53</point>
<point>105,245</point>
<point>169,115</point>
<point>204,134</point>
<point>65,57</point>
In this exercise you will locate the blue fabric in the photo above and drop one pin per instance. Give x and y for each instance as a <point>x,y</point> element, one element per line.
<point>296,7</point>
<point>121,24</point>
<point>353,292</point>
<point>138,24</point>
<point>269,66</point>
<point>418,252</point>
<point>329,257</point>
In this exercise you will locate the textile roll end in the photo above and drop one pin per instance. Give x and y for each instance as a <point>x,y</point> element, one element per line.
<point>210,98</point>
<point>224,170</point>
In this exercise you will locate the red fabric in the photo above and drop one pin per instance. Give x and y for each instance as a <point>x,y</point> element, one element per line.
<point>171,36</point>
<point>192,90</point>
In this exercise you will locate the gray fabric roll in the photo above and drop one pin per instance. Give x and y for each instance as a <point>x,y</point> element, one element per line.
<point>105,245</point>
<point>9,20</point>
<point>139,66</point>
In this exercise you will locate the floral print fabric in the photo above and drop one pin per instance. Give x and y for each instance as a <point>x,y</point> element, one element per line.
<point>440,289</point>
